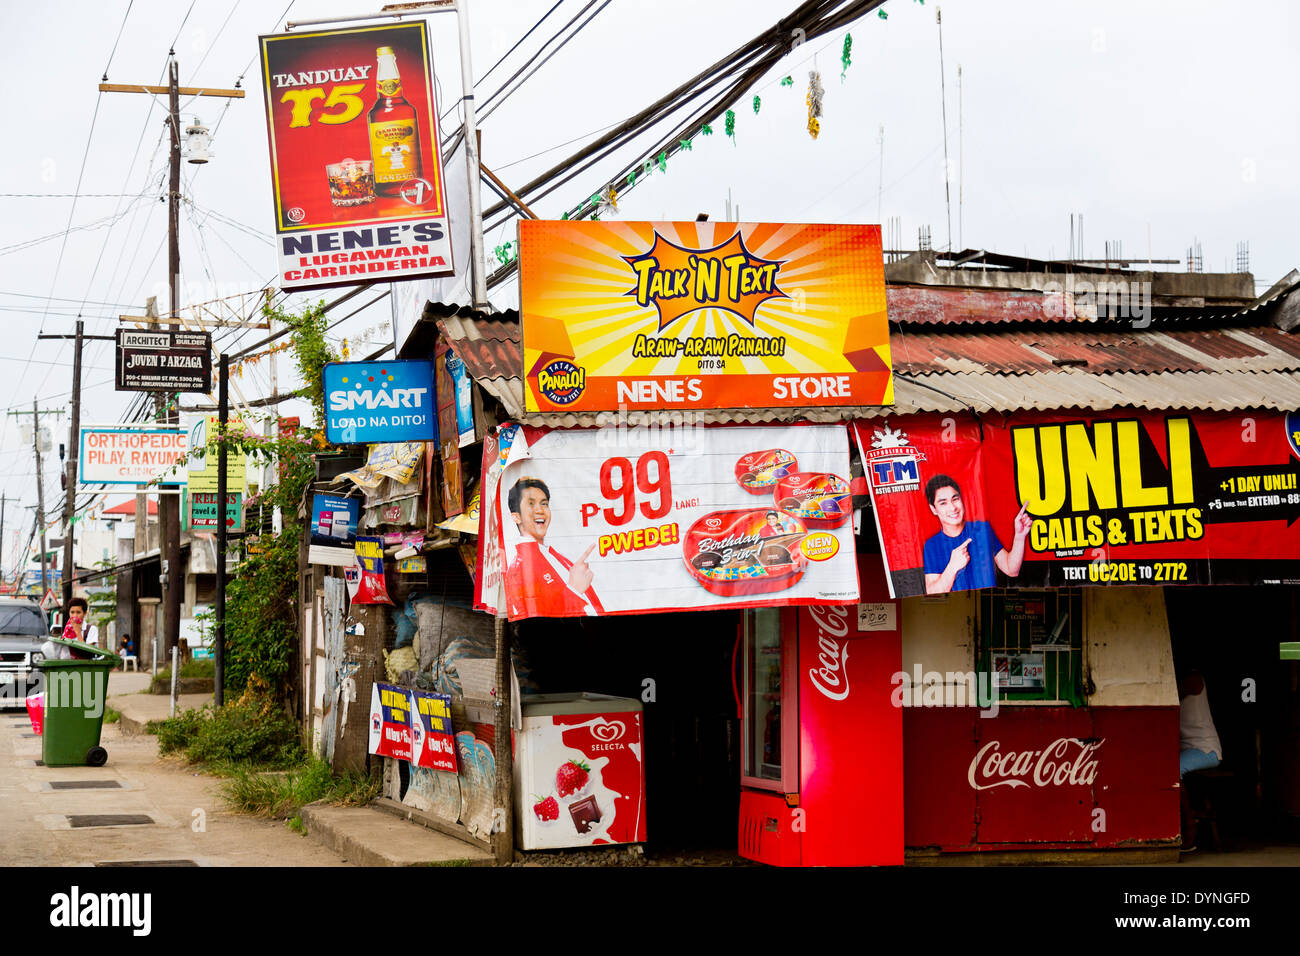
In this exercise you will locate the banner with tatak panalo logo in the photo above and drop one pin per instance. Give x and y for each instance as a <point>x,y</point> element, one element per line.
<point>668,315</point>
<point>636,520</point>
<point>1109,498</point>
<point>356,169</point>
<point>387,401</point>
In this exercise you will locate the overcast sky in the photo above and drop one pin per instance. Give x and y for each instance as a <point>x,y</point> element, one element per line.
<point>1160,123</point>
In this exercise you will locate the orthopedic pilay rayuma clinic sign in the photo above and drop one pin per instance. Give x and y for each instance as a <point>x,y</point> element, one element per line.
<point>1124,498</point>
<point>666,315</point>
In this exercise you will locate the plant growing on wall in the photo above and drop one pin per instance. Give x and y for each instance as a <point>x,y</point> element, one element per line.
<point>261,598</point>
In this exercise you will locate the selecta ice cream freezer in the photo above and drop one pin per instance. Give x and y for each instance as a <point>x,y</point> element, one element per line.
<point>579,772</point>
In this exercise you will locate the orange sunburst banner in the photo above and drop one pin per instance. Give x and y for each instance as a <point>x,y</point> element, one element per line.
<point>676,315</point>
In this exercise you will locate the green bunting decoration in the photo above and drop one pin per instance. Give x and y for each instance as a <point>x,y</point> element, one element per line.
<point>883,15</point>
<point>606,201</point>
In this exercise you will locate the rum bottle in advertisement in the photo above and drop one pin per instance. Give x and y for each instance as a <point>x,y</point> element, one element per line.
<point>394,132</point>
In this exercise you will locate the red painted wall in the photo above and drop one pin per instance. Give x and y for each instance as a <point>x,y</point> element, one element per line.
<point>1092,777</point>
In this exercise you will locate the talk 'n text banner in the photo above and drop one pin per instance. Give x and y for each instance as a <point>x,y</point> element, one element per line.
<point>355,164</point>
<point>655,315</point>
<point>632,520</point>
<point>1060,500</point>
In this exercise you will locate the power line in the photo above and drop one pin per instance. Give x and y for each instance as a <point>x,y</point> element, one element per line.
<point>220,30</point>
<point>69,195</point>
<point>59,298</point>
<point>184,21</point>
<point>751,61</point>
<point>452,109</point>
<point>64,233</point>
<point>113,51</point>
<point>489,107</point>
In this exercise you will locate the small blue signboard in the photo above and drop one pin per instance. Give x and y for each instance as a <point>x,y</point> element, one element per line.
<point>387,401</point>
<point>333,529</point>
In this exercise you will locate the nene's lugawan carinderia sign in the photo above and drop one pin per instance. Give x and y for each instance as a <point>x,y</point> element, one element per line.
<point>679,315</point>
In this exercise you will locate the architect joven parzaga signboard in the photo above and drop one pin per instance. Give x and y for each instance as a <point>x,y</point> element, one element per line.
<point>355,163</point>
<point>690,315</point>
<point>164,360</point>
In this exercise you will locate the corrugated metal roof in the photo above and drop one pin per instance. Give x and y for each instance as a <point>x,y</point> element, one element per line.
<point>490,348</point>
<point>952,369</point>
<point>1075,388</point>
<point>940,305</point>
<point>1026,352</point>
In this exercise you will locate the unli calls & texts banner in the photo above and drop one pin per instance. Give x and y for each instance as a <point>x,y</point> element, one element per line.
<point>1057,499</point>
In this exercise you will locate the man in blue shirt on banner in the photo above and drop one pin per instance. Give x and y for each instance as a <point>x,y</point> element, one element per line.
<point>964,554</point>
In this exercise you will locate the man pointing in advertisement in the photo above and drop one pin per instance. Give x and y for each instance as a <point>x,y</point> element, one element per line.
<point>964,554</point>
<point>541,581</point>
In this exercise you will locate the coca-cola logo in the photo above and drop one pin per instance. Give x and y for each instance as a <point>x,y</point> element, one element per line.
<point>608,730</point>
<point>831,677</point>
<point>1066,761</point>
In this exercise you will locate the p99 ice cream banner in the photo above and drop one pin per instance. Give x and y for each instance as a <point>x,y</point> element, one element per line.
<point>355,163</point>
<point>636,520</point>
<point>655,315</point>
<point>1061,500</point>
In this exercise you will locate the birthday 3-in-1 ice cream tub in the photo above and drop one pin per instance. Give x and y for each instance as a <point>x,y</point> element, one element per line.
<point>818,500</point>
<point>758,471</point>
<point>748,551</point>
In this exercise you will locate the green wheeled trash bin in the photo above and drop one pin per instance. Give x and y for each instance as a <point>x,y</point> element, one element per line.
<point>75,693</point>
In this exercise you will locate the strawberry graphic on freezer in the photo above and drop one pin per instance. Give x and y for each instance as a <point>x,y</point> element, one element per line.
<point>580,775</point>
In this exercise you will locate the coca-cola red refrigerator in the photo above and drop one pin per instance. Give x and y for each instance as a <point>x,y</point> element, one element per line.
<point>821,740</point>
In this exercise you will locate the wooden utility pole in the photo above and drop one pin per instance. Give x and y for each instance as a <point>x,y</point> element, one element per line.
<point>219,640</point>
<point>70,498</point>
<point>169,506</point>
<point>74,444</point>
<point>40,494</point>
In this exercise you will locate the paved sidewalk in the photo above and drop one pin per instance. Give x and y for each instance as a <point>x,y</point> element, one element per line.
<point>360,835</point>
<point>128,695</point>
<point>368,836</point>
